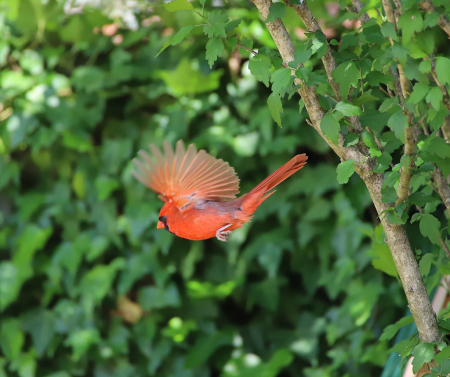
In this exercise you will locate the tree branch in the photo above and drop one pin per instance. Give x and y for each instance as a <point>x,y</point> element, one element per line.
<point>443,22</point>
<point>398,242</point>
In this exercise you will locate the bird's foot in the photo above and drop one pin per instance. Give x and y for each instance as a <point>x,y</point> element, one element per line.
<point>222,234</point>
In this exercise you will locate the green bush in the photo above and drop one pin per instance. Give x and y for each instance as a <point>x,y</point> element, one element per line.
<point>90,287</point>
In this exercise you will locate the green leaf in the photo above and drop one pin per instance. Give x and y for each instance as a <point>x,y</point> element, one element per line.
<point>420,199</point>
<point>431,19</point>
<point>165,45</point>
<point>275,107</point>
<point>373,119</point>
<point>11,338</point>
<point>178,37</point>
<point>81,340</point>
<point>348,109</point>
<point>400,52</point>
<point>206,346</point>
<point>185,80</point>
<point>391,330</point>
<point>330,127</point>
<point>346,75</point>
<point>365,98</point>
<point>281,359</point>
<point>178,5</point>
<point>385,262</point>
<point>443,355</point>
<point>301,56</point>
<point>425,264</point>
<point>410,22</point>
<point>214,49</point>
<point>40,323</point>
<point>389,195</point>
<point>423,353</point>
<point>158,298</point>
<point>434,97</point>
<point>425,66</point>
<point>281,81</point>
<point>419,92</point>
<point>216,25</point>
<point>233,24</point>
<point>260,66</point>
<point>105,186</point>
<point>351,138</point>
<point>387,29</point>
<point>344,171</point>
<point>429,227</point>
<point>374,78</point>
<point>443,70</point>
<point>276,10</point>
<point>397,123</point>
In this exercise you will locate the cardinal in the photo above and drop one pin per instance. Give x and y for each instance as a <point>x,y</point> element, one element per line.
<point>199,191</point>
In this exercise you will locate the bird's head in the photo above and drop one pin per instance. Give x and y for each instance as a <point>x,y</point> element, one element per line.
<point>166,216</point>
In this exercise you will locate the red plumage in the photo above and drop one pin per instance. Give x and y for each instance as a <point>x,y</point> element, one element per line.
<point>199,190</point>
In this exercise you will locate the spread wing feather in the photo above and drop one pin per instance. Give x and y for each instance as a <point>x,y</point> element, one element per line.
<point>185,176</point>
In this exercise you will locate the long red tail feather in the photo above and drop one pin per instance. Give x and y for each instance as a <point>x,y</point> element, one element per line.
<point>254,198</point>
<point>279,175</point>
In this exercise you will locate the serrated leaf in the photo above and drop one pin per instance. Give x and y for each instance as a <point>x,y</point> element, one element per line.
<point>389,195</point>
<point>214,49</point>
<point>387,29</point>
<point>347,108</point>
<point>231,43</point>
<point>365,98</point>
<point>216,24</point>
<point>344,171</point>
<point>275,107</point>
<point>443,355</point>
<point>391,330</point>
<point>276,10</point>
<point>346,75</point>
<point>429,227</point>
<point>397,123</point>
<point>178,5</point>
<point>425,264</point>
<point>351,138</point>
<point>282,81</point>
<point>233,24</point>
<point>423,353</point>
<point>420,199</point>
<point>425,66</point>
<point>260,66</point>
<point>400,52</point>
<point>374,78</point>
<point>419,92</point>
<point>410,22</point>
<point>431,19</point>
<point>166,44</point>
<point>301,56</point>
<point>443,70</point>
<point>330,127</point>
<point>183,33</point>
<point>434,97</point>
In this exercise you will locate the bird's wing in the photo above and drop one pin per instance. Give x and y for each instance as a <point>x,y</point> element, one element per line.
<point>185,176</point>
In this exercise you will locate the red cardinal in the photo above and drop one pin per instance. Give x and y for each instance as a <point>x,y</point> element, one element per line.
<point>199,191</point>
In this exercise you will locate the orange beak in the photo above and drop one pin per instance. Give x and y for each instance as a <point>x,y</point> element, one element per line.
<point>160,225</point>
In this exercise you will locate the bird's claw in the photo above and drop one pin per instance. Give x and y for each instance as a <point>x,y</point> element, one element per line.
<point>222,234</point>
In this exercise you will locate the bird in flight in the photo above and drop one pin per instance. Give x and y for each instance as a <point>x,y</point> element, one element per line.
<point>199,191</point>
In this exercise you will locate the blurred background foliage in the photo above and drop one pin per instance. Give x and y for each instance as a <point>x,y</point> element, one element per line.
<point>90,287</point>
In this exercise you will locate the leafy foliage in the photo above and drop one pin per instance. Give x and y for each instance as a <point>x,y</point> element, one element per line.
<point>88,286</point>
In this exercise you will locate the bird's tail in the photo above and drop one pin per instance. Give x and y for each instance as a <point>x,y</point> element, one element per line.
<point>261,192</point>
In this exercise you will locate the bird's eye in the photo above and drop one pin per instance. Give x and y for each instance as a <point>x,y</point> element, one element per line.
<point>163,219</point>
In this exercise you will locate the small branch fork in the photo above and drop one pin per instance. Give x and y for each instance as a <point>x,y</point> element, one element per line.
<point>397,238</point>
